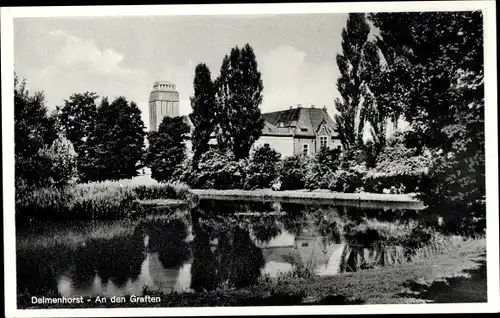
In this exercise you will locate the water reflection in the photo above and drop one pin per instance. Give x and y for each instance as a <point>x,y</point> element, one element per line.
<point>216,247</point>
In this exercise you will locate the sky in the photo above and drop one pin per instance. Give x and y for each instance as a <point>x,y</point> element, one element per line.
<point>124,56</point>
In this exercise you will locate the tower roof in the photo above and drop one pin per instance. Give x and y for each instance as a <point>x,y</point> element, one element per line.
<point>163,82</point>
<point>164,86</point>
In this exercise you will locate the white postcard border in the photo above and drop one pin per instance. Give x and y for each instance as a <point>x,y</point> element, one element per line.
<point>7,60</point>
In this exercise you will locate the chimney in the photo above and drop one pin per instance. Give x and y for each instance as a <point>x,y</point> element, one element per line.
<point>299,105</point>
<point>291,106</point>
<point>312,106</point>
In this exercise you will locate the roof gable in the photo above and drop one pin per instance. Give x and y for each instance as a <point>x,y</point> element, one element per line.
<point>299,121</point>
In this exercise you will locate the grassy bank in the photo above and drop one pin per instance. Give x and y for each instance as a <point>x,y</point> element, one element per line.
<point>94,201</point>
<point>432,276</point>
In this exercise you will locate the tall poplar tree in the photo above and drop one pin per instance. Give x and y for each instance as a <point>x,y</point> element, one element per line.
<point>238,96</point>
<point>203,105</point>
<point>350,120</point>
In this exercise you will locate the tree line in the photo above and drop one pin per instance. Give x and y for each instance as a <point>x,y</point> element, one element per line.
<point>107,141</point>
<point>78,140</point>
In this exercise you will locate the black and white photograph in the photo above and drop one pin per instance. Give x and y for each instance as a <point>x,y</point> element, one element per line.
<point>258,158</point>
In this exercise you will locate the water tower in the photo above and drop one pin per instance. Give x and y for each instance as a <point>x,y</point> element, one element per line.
<point>163,101</point>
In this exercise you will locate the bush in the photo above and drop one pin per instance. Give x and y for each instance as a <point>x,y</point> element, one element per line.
<point>261,170</point>
<point>292,172</point>
<point>394,183</point>
<point>348,180</point>
<point>322,168</point>
<point>57,164</point>
<point>398,169</point>
<point>218,170</point>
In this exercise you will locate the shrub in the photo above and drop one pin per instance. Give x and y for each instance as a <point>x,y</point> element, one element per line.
<point>399,168</point>
<point>185,173</point>
<point>292,172</point>
<point>57,164</point>
<point>261,169</point>
<point>322,168</point>
<point>377,182</point>
<point>348,179</point>
<point>218,170</point>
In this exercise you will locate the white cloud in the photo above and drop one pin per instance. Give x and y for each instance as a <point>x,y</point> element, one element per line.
<point>77,51</point>
<point>289,79</point>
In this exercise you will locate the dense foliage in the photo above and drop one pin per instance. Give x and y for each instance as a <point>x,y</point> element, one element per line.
<point>58,163</point>
<point>261,170</point>
<point>219,170</point>
<point>322,168</point>
<point>435,69</point>
<point>167,149</point>
<point>203,115</point>
<point>238,97</point>
<point>33,130</point>
<point>116,146</point>
<point>292,172</point>
<point>77,120</point>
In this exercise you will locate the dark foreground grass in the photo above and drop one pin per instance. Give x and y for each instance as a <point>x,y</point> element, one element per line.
<point>456,276</point>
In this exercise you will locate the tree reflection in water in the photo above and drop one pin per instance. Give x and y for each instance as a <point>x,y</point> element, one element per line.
<point>117,259</point>
<point>236,261</point>
<point>169,240</point>
<point>204,267</point>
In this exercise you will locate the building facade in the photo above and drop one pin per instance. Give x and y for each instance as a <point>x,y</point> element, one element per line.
<point>294,131</point>
<point>163,102</point>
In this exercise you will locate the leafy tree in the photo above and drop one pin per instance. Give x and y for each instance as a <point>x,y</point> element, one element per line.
<point>77,118</point>
<point>350,120</point>
<point>203,116</point>
<point>261,169</point>
<point>58,163</point>
<point>428,55</point>
<point>238,96</point>
<point>33,128</point>
<point>167,150</point>
<point>116,145</point>
<point>435,66</point>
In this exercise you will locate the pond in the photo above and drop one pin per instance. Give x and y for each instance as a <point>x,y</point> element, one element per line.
<point>219,244</point>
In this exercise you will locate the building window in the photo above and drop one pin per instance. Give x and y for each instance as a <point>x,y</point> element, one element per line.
<point>305,149</point>
<point>323,142</point>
